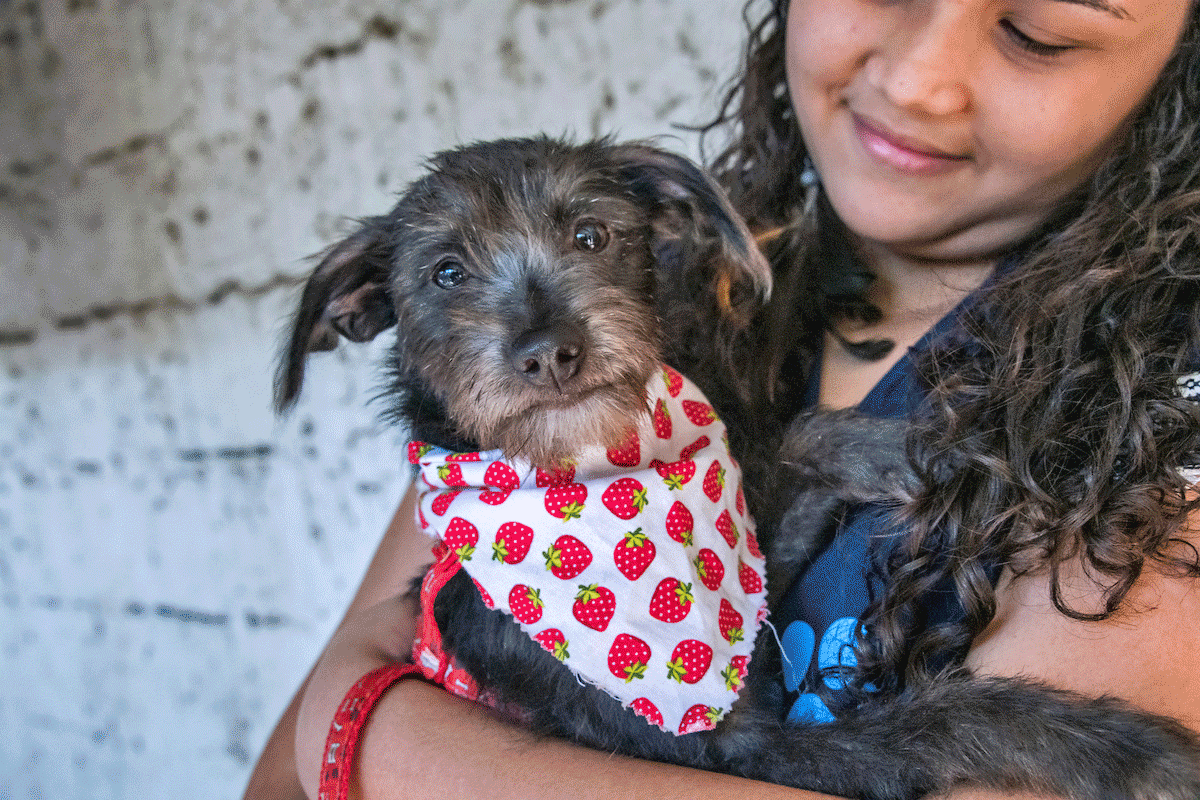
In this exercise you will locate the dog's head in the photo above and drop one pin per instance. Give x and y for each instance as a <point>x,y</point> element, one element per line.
<point>522,278</point>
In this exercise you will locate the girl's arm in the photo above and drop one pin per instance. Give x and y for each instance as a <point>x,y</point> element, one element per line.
<point>421,739</point>
<point>1146,653</point>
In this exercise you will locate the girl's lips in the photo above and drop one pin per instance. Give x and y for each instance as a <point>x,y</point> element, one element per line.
<point>903,154</point>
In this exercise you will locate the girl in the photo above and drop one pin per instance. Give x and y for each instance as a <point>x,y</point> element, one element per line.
<point>983,215</point>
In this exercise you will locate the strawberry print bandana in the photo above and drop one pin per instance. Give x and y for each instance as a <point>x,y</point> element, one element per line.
<point>637,566</point>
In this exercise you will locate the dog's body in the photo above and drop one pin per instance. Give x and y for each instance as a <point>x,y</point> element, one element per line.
<point>536,286</point>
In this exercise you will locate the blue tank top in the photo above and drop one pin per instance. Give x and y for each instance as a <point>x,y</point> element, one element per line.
<point>818,615</point>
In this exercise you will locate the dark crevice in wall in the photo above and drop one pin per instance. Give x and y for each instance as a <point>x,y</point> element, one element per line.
<point>138,143</point>
<point>15,338</point>
<point>139,309</point>
<point>377,27</point>
<point>129,147</point>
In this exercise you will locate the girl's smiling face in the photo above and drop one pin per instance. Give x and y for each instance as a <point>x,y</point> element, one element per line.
<point>950,129</point>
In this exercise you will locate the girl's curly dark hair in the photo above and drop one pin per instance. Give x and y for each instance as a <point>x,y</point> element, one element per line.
<point>1054,429</point>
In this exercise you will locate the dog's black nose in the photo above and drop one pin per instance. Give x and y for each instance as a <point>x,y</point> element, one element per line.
<point>548,356</point>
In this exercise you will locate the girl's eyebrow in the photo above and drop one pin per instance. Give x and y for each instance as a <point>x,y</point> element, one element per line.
<point>1102,5</point>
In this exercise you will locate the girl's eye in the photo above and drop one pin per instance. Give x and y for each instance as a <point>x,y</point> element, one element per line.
<point>449,274</point>
<point>591,236</point>
<point>1029,44</point>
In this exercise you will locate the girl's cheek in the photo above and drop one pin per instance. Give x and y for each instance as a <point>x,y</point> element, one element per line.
<point>828,40</point>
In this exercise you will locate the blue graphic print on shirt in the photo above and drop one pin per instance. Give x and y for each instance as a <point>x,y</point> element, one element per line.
<point>836,650</point>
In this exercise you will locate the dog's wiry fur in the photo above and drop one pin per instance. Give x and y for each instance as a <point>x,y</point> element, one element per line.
<point>584,266</point>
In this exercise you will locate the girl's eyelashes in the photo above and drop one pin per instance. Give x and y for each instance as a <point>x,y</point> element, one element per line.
<point>1030,45</point>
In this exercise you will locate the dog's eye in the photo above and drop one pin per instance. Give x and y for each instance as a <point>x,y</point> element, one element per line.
<point>591,236</point>
<point>449,274</point>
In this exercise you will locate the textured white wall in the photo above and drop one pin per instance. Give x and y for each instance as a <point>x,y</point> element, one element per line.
<point>171,556</point>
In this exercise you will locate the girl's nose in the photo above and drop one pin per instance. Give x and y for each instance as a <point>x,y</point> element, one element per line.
<point>925,65</point>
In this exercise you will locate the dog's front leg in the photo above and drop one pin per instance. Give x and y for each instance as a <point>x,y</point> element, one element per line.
<point>527,683</point>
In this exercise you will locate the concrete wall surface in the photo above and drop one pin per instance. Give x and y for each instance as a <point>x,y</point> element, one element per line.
<point>172,557</point>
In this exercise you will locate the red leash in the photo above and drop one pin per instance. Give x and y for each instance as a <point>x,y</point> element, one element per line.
<point>432,664</point>
<point>342,742</point>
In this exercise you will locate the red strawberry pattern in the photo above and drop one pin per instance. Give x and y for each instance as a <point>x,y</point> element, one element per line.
<point>672,600</point>
<point>461,537</point>
<point>662,420</point>
<point>727,528</point>
<point>567,557</point>
<point>645,708</point>
<point>680,523</point>
<point>628,657</point>
<point>690,661</point>
<point>594,606</point>
<point>625,497</point>
<point>735,673</point>
<point>512,542</point>
<point>709,569</point>
<point>700,718</point>
<point>501,476</point>
<point>673,381</point>
<point>634,554</point>
<point>676,474</point>
<point>660,507</point>
<point>441,503</point>
<point>558,477</point>
<point>689,452</point>
<point>748,577</point>
<point>628,454</point>
<point>495,497</point>
<point>451,475</point>
<point>730,623</point>
<point>565,501</point>
<point>752,544</point>
<point>699,413</point>
<point>554,642</point>
<point>525,603</point>
<point>714,482</point>
<point>502,480</point>
<point>417,451</point>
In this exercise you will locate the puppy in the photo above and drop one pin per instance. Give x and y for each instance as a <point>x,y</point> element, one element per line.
<point>536,287</point>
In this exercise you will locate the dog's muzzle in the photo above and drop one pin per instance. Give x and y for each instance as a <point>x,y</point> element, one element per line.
<point>549,356</point>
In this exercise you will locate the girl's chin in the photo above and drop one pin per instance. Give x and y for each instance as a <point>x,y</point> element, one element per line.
<point>925,229</point>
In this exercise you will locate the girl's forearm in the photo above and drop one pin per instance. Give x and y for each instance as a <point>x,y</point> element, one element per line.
<point>423,742</point>
<point>367,639</point>
<point>274,776</point>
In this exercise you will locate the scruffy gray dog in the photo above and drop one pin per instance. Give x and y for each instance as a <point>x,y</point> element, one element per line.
<point>535,285</point>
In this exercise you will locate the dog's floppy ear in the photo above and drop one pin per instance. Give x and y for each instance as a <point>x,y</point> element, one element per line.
<point>689,207</point>
<point>346,295</point>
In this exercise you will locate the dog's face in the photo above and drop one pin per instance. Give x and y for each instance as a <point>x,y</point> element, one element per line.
<point>521,276</point>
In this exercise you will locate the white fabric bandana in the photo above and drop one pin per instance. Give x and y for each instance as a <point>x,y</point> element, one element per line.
<point>637,567</point>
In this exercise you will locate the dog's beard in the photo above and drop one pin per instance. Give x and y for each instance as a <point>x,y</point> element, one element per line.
<point>552,435</point>
<point>500,411</point>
